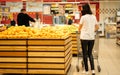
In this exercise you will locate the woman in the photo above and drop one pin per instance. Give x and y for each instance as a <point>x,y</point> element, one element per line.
<point>88,25</point>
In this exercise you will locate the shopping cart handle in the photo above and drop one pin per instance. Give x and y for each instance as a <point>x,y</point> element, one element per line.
<point>77,32</point>
<point>97,32</point>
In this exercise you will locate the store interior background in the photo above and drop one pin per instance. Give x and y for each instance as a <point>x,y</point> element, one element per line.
<point>106,13</point>
<point>104,10</point>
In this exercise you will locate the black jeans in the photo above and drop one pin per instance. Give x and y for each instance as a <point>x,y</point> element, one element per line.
<point>87,47</point>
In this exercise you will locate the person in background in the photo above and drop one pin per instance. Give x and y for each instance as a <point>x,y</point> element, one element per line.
<point>87,27</point>
<point>12,22</point>
<point>70,20</point>
<point>23,18</point>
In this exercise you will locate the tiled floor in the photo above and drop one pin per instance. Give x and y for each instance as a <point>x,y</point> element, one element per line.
<point>109,59</point>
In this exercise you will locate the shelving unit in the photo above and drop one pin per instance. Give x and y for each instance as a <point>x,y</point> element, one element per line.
<point>60,8</point>
<point>118,28</point>
<point>5,15</point>
<point>110,30</point>
<point>69,8</point>
<point>118,31</point>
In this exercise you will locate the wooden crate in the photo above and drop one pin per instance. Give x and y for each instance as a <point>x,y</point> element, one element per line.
<point>13,53</point>
<point>14,42</point>
<point>49,56</point>
<point>12,48</point>
<point>35,56</point>
<point>49,42</point>
<point>13,71</point>
<point>74,43</point>
<point>13,65</point>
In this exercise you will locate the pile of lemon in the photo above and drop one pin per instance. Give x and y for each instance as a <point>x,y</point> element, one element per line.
<point>45,32</point>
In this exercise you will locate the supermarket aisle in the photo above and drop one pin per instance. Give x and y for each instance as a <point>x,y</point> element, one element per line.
<point>109,59</point>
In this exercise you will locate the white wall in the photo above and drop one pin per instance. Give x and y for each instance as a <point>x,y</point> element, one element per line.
<point>108,9</point>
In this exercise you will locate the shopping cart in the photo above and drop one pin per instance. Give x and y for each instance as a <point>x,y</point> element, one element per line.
<point>95,51</point>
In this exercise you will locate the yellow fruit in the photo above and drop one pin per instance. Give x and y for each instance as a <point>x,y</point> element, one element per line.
<point>45,32</point>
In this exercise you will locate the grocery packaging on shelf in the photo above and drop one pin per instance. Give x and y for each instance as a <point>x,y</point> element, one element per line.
<point>110,30</point>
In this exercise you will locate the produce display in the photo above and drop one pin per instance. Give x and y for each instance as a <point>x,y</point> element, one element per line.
<point>45,32</point>
<point>70,28</point>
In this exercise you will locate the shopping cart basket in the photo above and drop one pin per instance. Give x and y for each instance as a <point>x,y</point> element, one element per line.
<point>95,51</point>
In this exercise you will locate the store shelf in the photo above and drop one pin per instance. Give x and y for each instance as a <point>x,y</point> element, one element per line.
<point>112,23</point>
<point>110,30</point>
<point>118,41</point>
<point>68,8</point>
<point>118,36</point>
<point>61,2</point>
<point>55,8</point>
<point>4,12</point>
<point>118,30</point>
<point>118,26</point>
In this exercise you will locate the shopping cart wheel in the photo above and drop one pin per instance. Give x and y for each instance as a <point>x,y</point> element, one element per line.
<point>99,69</point>
<point>77,68</point>
<point>82,63</point>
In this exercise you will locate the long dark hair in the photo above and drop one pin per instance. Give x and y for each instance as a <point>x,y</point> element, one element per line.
<point>86,9</point>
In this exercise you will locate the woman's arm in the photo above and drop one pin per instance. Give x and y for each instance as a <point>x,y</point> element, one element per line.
<point>79,28</point>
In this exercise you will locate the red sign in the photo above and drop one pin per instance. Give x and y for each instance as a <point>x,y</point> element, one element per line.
<point>10,0</point>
